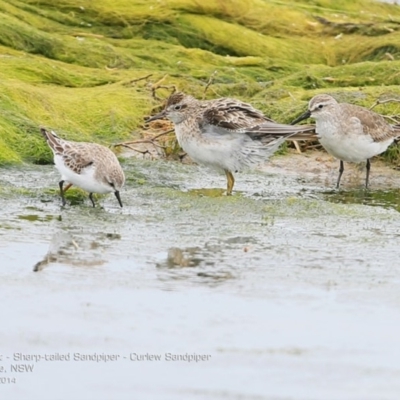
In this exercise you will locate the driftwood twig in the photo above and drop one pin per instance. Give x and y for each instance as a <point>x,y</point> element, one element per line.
<point>383,102</point>
<point>158,85</point>
<point>210,80</point>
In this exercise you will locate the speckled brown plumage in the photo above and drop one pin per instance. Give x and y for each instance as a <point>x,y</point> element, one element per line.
<point>90,166</point>
<point>226,134</point>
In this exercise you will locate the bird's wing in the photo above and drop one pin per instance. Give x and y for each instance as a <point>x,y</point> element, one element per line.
<point>231,115</point>
<point>74,154</point>
<point>76,157</point>
<point>370,123</point>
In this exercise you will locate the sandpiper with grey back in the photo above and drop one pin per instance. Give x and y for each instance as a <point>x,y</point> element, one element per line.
<point>225,134</point>
<point>349,132</point>
<point>90,166</point>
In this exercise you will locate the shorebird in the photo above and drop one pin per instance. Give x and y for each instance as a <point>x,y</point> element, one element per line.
<point>225,134</point>
<point>349,132</point>
<point>90,166</point>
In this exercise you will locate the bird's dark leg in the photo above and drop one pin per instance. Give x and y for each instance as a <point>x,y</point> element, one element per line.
<point>230,182</point>
<point>118,197</point>
<point>91,198</point>
<point>341,169</point>
<point>61,184</point>
<point>367,177</point>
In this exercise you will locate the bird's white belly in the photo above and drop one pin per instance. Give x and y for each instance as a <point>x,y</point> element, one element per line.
<point>85,180</point>
<point>352,147</point>
<point>215,155</point>
<point>215,152</point>
<point>231,151</point>
<point>233,154</point>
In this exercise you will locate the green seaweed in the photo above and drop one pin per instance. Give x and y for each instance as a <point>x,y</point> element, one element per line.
<point>87,70</point>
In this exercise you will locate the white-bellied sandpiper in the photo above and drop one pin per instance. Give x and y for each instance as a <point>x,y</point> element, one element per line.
<point>349,132</point>
<point>225,134</point>
<point>90,166</point>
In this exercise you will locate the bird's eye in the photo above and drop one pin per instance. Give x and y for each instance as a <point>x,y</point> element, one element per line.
<point>177,107</point>
<point>321,106</point>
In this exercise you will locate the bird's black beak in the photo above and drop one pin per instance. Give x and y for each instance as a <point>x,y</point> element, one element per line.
<point>118,197</point>
<point>160,115</point>
<point>303,116</point>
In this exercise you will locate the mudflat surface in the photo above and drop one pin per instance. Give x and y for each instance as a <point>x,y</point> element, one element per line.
<point>287,290</point>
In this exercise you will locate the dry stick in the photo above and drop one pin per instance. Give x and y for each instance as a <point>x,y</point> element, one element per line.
<point>173,87</point>
<point>157,85</point>
<point>153,90</point>
<point>209,83</point>
<point>140,79</point>
<point>162,134</point>
<point>314,146</point>
<point>392,118</point>
<point>132,148</point>
<point>383,102</point>
<point>160,81</point>
<point>296,144</point>
<point>148,141</point>
<point>151,141</point>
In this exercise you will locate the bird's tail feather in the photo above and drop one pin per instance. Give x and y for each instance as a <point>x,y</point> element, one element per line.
<point>296,132</point>
<point>54,142</point>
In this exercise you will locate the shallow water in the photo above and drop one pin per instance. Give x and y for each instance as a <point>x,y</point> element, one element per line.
<point>287,290</point>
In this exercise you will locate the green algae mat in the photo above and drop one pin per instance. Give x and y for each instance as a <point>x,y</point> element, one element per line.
<point>89,70</point>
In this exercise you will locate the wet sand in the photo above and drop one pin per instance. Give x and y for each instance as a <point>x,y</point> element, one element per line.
<point>287,290</point>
